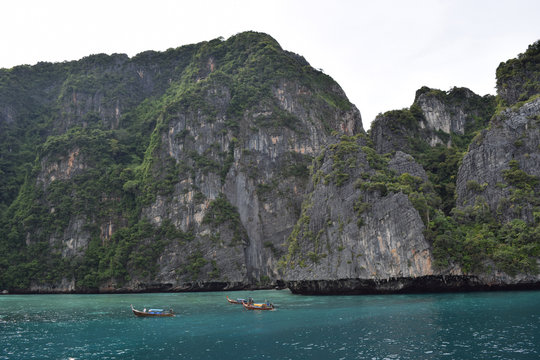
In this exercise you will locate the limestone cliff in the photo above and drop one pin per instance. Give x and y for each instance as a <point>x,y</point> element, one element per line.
<point>434,116</point>
<point>487,240</point>
<point>502,161</point>
<point>234,164</point>
<point>518,79</point>
<point>174,171</point>
<point>359,222</point>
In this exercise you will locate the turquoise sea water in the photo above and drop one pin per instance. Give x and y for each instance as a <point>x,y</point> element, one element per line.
<point>498,325</point>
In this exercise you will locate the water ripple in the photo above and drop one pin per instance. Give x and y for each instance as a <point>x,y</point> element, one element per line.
<point>453,326</point>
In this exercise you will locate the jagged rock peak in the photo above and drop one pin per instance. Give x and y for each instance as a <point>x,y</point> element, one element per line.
<point>432,118</point>
<point>449,111</point>
<point>518,79</point>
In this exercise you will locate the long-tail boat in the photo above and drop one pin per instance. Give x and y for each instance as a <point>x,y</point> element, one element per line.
<point>237,301</point>
<point>152,312</point>
<point>263,306</point>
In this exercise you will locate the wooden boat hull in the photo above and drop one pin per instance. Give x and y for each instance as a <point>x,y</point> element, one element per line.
<point>231,301</point>
<point>258,306</point>
<point>148,314</point>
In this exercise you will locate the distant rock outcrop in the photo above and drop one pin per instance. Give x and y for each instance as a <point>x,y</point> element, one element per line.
<point>519,79</point>
<point>501,161</point>
<point>434,116</point>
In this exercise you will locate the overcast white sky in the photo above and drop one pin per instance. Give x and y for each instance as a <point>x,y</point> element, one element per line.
<point>380,52</point>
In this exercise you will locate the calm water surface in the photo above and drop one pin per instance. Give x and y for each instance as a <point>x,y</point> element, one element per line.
<point>500,325</point>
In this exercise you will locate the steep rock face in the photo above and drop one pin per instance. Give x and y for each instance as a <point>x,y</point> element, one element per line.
<point>493,231</point>
<point>518,79</point>
<point>392,130</point>
<point>403,163</point>
<point>50,99</point>
<point>511,143</point>
<point>256,169</point>
<point>432,118</point>
<point>354,227</point>
<point>61,168</point>
<point>441,115</point>
<point>233,164</point>
<point>189,177</point>
<point>100,89</point>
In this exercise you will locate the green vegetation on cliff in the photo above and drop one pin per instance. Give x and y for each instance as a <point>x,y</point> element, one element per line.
<point>475,237</point>
<point>109,164</point>
<point>81,153</point>
<point>519,79</point>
